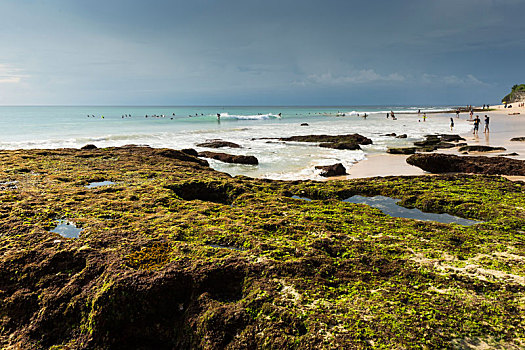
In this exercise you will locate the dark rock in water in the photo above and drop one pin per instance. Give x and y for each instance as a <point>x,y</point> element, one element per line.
<point>332,170</point>
<point>510,154</point>
<point>350,141</point>
<point>362,140</point>
<point>402,150</point>
<point>89,146</point>
<point>445,145</point>
<point>434,142</point>
<point>451,138</point>
<point>340,145</point>
<point>392,134</point>
<point>518,138</point>
<point>402,136</point>
<point>230,158</point>
<point>479,148</point>
<point>190,151</point>
<point>304,124</point>
<point>218,144</point>
<point>427,142</point>
<point>445,163</point>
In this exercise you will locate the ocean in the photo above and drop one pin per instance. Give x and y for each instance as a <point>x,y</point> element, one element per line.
<point>184,127</point>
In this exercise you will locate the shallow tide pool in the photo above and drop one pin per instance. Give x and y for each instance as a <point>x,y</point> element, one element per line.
<point>99,184</point>
<point>67,229</point>
<point>389,206</point>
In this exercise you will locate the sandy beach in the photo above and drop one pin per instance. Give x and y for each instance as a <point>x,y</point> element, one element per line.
<point>503,126</point>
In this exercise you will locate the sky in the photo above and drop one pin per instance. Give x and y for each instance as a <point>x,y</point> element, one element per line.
<point>260,52</point>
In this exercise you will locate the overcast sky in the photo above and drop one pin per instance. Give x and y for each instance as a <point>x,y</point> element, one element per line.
<point>267,52</point>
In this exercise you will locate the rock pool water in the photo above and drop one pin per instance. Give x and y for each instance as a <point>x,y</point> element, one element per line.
<point>98,184</point>
<point>67,229</point>
<point>388,206</point>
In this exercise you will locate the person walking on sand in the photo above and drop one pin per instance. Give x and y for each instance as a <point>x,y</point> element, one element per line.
<point>451,123</point>
<point>476,125</point>
<point>487,119</point>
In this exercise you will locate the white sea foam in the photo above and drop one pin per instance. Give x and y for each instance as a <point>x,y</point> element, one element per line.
<point>250,117</point>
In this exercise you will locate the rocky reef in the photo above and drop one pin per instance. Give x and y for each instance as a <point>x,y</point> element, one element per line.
<point>446,163</point>
<point>349,141</point>
<point>230,158</point>
<point>174,255</point>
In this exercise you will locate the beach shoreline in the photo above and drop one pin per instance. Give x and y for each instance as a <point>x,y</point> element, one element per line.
<point>503,126</point>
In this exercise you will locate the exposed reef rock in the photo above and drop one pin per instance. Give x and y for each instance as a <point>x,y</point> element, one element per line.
<point>445,163</point>
<point>175,255</point>
<point>190,151</point>
<point>402,150</point>
<point>350,141</point>
<point>480,148</point>
<point>218,144</point>
<point>332,170</point>
<point>89,146</point>
<point>435,142</point>
<point>522,138</point>
<point>230,158</point>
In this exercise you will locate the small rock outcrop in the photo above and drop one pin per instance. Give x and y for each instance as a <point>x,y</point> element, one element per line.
<point>230,158</point>
<point>332,170</point>
<point>522,138</point>
<point>480,148</point>
<point>450,138</point>
<point>402,136</point>
<point>349,141</point>
<point>89,146</point>
<point>304,124</point>
<point>190,151</point>
<point>434,142</point>
<point>219,144</point>
<point>402,150</point>
<point>445,163</point>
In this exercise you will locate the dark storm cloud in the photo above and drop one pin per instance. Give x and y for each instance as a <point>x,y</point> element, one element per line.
<point>259,52</point>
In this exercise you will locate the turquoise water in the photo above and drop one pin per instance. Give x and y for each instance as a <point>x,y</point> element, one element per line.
<point>184,127</point>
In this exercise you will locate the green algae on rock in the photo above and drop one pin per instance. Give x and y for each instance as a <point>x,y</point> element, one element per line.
<point>145,272</point>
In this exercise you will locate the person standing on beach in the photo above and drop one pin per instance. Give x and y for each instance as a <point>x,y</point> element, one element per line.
<point>471,114</point>
<point>457,113</point>
<point>451,123</point>
<point>487,119</point>
<point>476,125</point>
<point>424,117</point>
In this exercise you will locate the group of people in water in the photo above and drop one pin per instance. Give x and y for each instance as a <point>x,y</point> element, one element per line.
<point>477,121</point>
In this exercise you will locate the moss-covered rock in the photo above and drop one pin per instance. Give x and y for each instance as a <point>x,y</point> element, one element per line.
<point>177,255</point>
